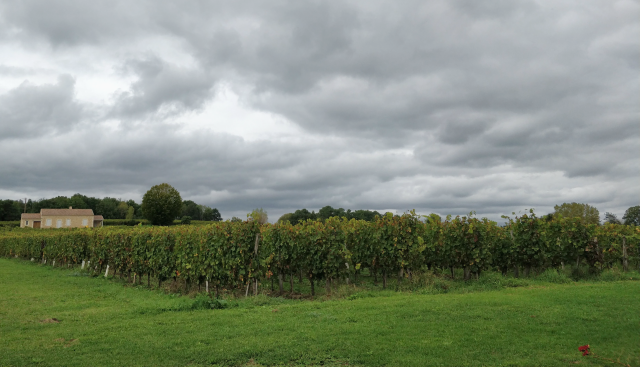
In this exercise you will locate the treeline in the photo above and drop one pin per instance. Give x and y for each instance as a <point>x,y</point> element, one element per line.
<point>109,208</point>
<point>327,212</point>
<point>240,255</point>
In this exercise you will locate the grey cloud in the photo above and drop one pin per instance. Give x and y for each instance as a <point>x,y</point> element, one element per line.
<point>161,88</point>
<point>35,110</point>
<point>69,23</point>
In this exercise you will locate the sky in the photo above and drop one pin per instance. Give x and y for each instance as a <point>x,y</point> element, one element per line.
<point>443,106</point>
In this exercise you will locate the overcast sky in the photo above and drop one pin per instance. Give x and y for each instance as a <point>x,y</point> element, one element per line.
<point>443,106</point>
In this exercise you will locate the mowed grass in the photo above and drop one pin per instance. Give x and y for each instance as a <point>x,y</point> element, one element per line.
<point>104,323</point>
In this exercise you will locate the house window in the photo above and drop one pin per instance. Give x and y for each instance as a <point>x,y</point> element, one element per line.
<point>49,222</point>
<point>59,223</point>
<point>27,223</point>
<point>68,222</point>
<point>84,222</point>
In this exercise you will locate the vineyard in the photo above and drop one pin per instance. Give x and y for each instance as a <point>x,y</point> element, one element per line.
<point>242,255</point>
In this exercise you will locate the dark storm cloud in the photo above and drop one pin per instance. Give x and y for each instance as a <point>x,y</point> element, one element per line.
<point>443,105</point>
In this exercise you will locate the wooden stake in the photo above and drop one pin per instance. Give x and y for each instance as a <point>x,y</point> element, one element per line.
<point>106,273</point>
<point>384,279</point>
<point>291,282</point>
<point>625,260</point>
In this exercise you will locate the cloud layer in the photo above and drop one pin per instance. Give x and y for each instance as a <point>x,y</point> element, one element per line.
<point>445,106</point>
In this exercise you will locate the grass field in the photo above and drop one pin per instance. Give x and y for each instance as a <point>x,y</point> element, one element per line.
<point>107,323</point>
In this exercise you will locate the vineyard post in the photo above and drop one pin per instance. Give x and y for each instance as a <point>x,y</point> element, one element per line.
<point>291,281</point>
<point>82,267</point>
<point>255,252</point>
<point>106,273</point>
<point>384,279</point>
<point>625,260</point>
<point>280,281</point>
<point>313,289</point>
<point>53,264</point>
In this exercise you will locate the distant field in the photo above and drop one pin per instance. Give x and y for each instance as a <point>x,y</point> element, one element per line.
<point>107,323</point>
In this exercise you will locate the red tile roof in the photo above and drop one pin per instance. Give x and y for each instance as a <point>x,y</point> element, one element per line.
<point>30,216</point>
<point>67,212</point>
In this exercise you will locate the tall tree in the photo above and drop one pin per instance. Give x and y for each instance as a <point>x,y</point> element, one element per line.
<point>586,212</point>
<point>611,218</point>
<point>632,216</point>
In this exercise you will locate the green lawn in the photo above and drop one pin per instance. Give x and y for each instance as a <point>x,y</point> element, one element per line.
<point>104,323</point>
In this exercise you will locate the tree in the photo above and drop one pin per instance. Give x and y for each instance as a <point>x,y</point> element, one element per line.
<point>361,214</point>
<point>285,218</point>
<point>161,204</point>
<point>588,213</point>
<point>632,216</point>
<point>191,209</point>
<point>259,215</point>
<point>611,218</point>
<point>328,212</point>
<point>77,201</point>
<point>9,210</point>
<point>108,208</point>
<point>302,215</point>
<point>136,208</point>
<point>211,214</point>
<point>122,210</point>
<point>130,213</point>
<point>235,220</point>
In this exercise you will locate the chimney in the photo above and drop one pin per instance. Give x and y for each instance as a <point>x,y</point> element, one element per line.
<point>70,207</point>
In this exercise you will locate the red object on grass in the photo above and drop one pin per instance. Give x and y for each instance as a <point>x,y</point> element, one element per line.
<point>584,349</point>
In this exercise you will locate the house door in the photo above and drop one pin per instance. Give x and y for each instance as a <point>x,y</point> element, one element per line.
<point>36,224</point>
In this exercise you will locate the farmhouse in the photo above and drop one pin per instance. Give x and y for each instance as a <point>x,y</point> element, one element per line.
<point>61,218</point>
